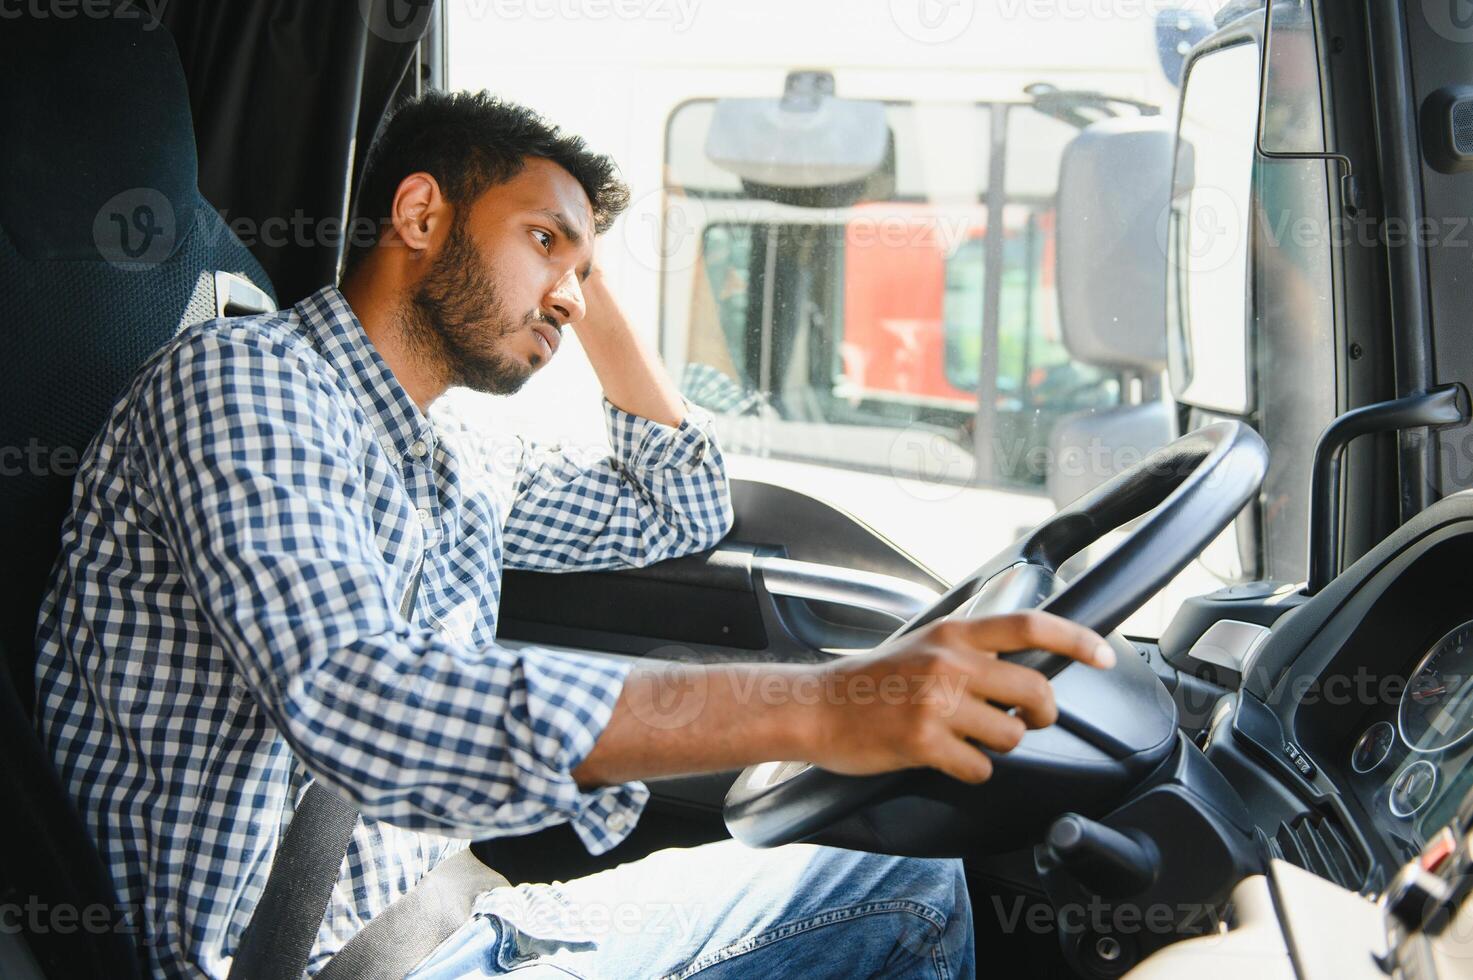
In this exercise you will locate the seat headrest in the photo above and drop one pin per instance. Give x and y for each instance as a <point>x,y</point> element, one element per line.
<point>97,154</point>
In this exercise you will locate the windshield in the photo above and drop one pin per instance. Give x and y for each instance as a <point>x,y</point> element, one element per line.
<point>849,246</point>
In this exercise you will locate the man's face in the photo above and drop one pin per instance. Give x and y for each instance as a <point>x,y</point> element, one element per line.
<point>491,308</point>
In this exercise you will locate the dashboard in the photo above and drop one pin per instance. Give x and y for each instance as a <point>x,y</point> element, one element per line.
<point>1391,714</point>
<point>1357,713</point>
<point>1350,741</point>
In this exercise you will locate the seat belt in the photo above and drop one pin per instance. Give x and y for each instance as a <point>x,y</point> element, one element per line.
<point>279,938</point>
<point>398,939</point>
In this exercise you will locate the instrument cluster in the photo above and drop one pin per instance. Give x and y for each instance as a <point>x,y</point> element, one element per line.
<point>1421,757</point>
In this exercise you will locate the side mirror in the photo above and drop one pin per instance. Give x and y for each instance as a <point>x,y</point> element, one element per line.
<point>1207,241</point>
<point>809,147</point>
<point>1114,191</point>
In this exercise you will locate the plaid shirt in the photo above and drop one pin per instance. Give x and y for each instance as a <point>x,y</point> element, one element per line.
<point>223,625</point>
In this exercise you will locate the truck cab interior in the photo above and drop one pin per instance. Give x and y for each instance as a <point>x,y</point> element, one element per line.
<point>1278,781</point>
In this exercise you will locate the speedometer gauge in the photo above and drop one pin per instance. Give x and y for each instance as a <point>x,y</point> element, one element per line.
<point>1436,710</point>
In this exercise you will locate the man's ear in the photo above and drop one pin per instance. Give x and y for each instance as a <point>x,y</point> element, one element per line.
<point>419,210</point>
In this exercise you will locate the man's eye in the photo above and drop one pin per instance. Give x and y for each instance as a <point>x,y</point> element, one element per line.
<point>543,239</point>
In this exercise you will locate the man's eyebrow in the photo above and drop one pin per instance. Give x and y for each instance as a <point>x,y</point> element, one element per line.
<point>564,227</point>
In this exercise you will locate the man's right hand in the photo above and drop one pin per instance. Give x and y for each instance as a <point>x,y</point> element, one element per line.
<point>942,692</point>
<point>935,697</point>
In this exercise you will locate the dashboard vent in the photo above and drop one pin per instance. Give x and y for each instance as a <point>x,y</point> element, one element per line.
<point>1316,843</point>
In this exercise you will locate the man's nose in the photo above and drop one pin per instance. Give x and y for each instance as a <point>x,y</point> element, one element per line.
<point>566,299</point>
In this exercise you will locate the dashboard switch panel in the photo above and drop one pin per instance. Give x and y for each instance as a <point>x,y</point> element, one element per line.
<point>1299,760</point>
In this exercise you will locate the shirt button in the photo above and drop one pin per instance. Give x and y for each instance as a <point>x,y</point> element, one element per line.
<point>419,449</point>
<point>616,822</point>
<point>426,518</point>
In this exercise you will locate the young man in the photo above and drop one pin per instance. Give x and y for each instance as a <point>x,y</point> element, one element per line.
<point>224,623</point>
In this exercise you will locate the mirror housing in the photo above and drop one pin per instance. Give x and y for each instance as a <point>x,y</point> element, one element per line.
<point>806,141</point>
<point>1114,191</point>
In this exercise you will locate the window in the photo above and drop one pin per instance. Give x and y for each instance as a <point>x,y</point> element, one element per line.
<point>869,316</point>
<point>890,337</point>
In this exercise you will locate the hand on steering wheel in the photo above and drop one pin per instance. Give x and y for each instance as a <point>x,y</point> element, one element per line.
<point>939,696</point>
<point>1114,728</point>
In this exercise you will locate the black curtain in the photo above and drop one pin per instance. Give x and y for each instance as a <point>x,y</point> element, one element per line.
<point>287,96</point>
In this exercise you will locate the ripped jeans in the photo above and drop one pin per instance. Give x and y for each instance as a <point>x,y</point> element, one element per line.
<point>724,911</point>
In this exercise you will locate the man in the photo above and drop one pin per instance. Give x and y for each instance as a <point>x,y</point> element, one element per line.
<point>224,623</point>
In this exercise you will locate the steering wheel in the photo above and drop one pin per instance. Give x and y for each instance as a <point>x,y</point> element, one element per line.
<point>1114,727</point>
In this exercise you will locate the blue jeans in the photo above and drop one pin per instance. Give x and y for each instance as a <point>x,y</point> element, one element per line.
<point>726,911</point>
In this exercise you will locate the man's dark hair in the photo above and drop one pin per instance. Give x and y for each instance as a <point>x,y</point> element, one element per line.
<point>470,142</point>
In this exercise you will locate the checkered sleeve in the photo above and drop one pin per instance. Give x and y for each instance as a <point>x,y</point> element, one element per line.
<point>662,493</point>
<point>251,472</point>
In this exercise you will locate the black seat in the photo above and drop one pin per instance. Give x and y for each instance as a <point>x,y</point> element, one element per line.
<point>106,250</point>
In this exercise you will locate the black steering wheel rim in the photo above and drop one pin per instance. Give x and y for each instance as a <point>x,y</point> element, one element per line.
<point>1182,496</point>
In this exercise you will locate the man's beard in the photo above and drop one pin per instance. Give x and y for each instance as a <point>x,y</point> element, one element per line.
<point>456,322</point>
